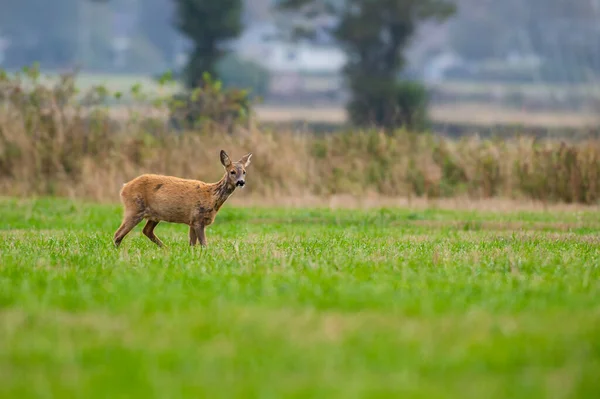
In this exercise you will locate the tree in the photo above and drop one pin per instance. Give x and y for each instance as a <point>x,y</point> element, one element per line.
<point>49,36</point>
<point>156,24</point>
<point>479,32</point>
<point>563,33</point>
<point>209,24</point>
<point>373,34</point>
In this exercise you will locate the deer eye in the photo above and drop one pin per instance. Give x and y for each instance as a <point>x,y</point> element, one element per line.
<point>232,172</point>
<point>244,172</point>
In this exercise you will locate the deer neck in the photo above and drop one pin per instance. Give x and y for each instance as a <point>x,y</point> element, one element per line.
<point>221,191</point>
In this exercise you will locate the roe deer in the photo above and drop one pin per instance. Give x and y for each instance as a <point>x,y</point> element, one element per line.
<point>171,199</point>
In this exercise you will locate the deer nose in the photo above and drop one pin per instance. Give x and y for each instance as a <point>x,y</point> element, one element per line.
<point>240,183</point>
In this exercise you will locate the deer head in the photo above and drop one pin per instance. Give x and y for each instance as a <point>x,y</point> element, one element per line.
<point>236,171</point>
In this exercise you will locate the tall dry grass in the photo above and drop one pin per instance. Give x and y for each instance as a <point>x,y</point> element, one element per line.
<point>51,143</point>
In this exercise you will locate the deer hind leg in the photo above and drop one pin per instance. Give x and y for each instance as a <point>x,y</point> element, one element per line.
<point>200,234</point>
<point>193,236</point>
<point>129,222</point>
<point>149,232</point>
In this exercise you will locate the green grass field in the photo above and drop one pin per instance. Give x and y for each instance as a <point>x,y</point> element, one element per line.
<point>300,303</point>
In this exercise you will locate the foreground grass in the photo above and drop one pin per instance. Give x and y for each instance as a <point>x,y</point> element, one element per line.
<point>300,303</point>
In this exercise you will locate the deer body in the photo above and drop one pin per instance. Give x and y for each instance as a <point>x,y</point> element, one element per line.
<point>171,199</point>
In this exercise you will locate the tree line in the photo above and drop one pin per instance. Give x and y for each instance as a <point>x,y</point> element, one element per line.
<point>372,33</point>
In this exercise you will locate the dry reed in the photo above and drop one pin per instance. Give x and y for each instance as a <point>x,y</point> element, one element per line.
<point>51,145</point>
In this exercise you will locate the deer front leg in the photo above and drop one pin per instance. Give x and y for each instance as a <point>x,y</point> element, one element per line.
<point>193,236</point>
<point>199,229</point>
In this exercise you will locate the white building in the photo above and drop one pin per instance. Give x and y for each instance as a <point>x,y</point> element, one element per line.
<point>295,67</point>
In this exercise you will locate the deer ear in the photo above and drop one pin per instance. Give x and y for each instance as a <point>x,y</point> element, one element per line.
<point>225,159</point>
<point>245,160</point>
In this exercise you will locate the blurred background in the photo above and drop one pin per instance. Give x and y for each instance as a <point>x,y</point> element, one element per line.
<point>534,62</point>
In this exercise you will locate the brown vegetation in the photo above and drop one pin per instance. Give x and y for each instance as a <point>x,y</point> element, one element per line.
<point>51,146</point>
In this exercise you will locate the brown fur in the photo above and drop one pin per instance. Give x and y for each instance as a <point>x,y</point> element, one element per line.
<point>158,198</point>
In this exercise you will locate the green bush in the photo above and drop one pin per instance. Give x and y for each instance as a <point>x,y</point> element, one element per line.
<point>210,104</point>
<point>236,72</point>
<point>377,103</point>
<point>412,102</point>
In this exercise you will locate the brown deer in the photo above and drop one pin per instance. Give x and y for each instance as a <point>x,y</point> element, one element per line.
<point>171,199</point>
